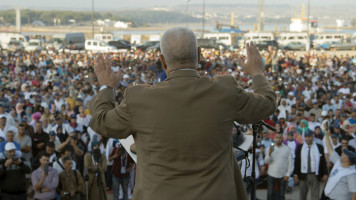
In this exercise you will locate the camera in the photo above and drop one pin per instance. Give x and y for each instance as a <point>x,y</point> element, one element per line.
<point>65,194</point>
<point>15,159</point>
<point>97,155</point>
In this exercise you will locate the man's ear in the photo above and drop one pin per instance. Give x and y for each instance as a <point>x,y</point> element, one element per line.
<point>163,61</point>
<point>199,52</point>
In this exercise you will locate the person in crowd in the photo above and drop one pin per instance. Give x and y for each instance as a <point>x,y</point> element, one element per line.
<point>352,119</point>
<point>122,166</point>
<point>83,118</point>
<point>59,163</point>
<point>61,135</point>
<point>110,146</point>
<point>266,140</point>
<point>291,143</point>
<point>292,128</point>
<point>25,143</point>
<point>342,181</point>
<point>44,179</point>
<point>39,140</point>
<point>280,167</point>
<point>53,138</point>
<point>344,144</point>
<point>312,123</point>
<point>309,165</point>
<point>71,183</point>
<point>95,162</point>
<point>316,110</point>
<point>53,156</point>
<point>5,127</point>
<point>13,172</point>
<point>78,149</point>
<point>246,168</point>
<point>10,135</point>
<point>73,126</point>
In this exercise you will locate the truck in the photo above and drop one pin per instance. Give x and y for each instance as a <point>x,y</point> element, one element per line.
<point>73,41</point>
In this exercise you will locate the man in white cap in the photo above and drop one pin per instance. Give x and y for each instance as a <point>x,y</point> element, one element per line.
<point>13,174</point>
<point>291,99</point>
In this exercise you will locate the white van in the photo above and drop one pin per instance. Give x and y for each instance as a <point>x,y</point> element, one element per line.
<point>106,37</point>
<point>223,37</point>
<point>286,38</point>
<point>322,38</point>
<point>255,37</point>
<point>6,37</point>
<point>98,46</point>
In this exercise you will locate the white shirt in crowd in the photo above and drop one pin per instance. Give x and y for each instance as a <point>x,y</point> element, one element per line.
<point>259,162</point>
<point>332,144</point>
<point>84,120</point>
<point>280,162</point>
<point>59,168</point>
<point>7,128</point>
<point>312,125</point>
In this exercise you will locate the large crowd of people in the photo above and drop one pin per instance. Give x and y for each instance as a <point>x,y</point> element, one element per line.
<point>47,146</point>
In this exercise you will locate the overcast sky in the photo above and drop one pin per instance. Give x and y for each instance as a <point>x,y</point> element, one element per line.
<point>120,4</point>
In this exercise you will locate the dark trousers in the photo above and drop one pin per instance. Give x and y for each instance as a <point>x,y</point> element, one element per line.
<point>311,182</point>
<point>271,182</point>
<point>124,182</point>
<point>109,177</point>
<point>6,196</point>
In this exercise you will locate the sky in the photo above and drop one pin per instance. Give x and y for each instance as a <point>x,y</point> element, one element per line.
<point>123,4</point>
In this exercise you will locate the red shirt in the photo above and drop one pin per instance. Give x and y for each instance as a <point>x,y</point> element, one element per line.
<point>122,161</point>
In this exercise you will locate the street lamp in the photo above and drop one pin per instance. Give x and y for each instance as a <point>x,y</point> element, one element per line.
<point>308,17</point>
<point>92,18</point>
<point>186,12</point>
<point>203,18</point>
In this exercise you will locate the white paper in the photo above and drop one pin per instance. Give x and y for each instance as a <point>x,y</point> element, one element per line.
<point>126,143</point>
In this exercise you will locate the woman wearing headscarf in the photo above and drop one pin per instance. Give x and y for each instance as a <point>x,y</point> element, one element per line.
<point>303,127</point>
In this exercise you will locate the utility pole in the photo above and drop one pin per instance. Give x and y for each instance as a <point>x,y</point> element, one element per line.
<point>308,17</point>
<point>260,19</point>
<point>186,13</point>
<point>92,18</point>
<point>203,19</point>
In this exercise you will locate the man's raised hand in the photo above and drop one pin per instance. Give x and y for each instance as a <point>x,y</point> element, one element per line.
<point>104,73</point>
<point>254,65</point>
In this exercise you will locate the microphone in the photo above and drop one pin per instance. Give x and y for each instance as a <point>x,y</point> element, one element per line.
<point>268,126</point>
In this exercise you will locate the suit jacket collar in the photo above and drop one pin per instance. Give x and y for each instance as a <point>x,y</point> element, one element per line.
<point>183,73</point>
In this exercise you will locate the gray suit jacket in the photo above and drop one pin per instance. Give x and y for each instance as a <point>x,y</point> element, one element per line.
<point>183,132</point>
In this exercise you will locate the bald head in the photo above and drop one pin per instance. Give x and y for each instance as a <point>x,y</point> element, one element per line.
<point>179,48</point>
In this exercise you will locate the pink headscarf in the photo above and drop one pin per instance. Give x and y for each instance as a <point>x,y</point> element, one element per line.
<point>36,116</point>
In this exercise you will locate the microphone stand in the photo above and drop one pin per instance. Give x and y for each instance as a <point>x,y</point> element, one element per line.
<point>257,128</point>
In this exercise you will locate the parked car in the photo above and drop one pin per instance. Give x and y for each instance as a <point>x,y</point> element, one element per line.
<point>35,45</point>
<point>263,45</point>
<point>211,44</point>
<point>15,45</point>
<point>326,45</point>
<point>347,44</point>
<point>155,48</point>
<point>120,44</point>
<point>145,45</point>
<point>294,46</point>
